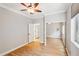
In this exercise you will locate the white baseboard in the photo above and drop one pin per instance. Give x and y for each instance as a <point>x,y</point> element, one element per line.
<point>67,52</point>
<point>13,49</point>
<point>52,37</point>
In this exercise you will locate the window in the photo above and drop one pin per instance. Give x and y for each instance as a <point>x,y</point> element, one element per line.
<point>77,29</point>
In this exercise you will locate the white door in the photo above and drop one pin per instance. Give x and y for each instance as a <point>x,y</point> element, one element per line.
<point>31,32</point>
<point>37,31</point>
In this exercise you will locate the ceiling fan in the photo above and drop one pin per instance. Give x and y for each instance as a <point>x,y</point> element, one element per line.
<point>32,7</point>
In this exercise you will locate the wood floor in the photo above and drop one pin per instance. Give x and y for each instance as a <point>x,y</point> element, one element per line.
<point>54,47</point>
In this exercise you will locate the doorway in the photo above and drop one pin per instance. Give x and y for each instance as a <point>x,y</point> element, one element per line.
<point>37,32</point>
<point>53,30</point>
<point>34,32</point>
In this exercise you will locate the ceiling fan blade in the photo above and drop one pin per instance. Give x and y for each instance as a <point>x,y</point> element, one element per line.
<point>24,4</point>
<point>37,10</point>
<point>24,10</point>
<point>30,5</point>
<point>36,4</point>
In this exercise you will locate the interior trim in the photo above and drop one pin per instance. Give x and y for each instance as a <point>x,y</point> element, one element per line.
<point>50,14</point>
<point>16,48</point>
<point>67,52</point>
<point>58,12</point>
<point>13,49</point>
<point>18,12</point>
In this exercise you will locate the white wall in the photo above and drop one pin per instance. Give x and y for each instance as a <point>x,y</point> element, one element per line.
<point>68,30</point>
<point>13,30</point>
<point>74,50</point>
<point>59,17</point>
<point>51,30</point>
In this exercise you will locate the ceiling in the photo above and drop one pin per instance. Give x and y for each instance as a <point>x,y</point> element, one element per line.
<point>47,9</point>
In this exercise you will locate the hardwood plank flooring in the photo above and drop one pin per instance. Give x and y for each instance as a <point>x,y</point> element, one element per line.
<point>54,47</point>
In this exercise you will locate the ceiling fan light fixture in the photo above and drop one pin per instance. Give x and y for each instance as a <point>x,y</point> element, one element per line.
<point>30,10</point>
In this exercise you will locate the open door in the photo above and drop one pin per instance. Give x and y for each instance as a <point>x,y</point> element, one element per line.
<point>31,32</point>
<point>37,31</point>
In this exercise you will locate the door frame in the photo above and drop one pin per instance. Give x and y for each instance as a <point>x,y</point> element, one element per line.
<point>29,32</point>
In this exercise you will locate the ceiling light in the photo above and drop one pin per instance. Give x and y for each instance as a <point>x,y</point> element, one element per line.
<point>31,10</point>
